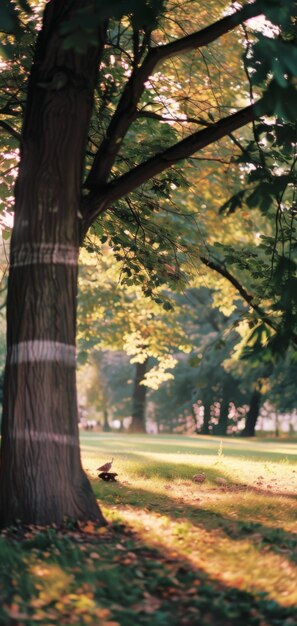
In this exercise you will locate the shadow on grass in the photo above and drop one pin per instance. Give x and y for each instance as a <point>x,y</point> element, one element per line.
<point>277,539</point>
<point>135,582</point>
<point>146,468</point>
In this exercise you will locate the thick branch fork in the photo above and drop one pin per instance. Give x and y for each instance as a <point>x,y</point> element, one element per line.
<point>95,203</point>
<point>126,111</point>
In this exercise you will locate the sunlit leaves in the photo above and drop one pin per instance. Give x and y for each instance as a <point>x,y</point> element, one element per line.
<point>117,316</point>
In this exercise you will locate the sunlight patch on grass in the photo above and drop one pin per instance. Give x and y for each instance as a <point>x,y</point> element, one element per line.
<point>241,532</point>
<point>177,552</point>
<point>240,563</point>
<point>259,449</point>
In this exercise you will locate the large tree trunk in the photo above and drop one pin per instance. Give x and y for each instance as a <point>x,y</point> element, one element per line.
<point>252,416</point>
<point>41,478</point>
<point>139,399</point>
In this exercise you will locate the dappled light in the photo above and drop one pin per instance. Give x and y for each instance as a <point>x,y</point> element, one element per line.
<point>236,532</point>
<point>148,313</point>
<point>176,551</point>
<point>219,556</point>
<point>99,588</point>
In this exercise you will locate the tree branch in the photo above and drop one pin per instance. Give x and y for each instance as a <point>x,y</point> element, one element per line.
<point>96,203</point>
<point>244,294</point>
<point>177,120</point>
<point>126,111</point>
<point>210,33</point>
<point>14,133</point>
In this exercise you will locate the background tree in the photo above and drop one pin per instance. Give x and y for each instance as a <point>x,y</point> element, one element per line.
<point>105,388</point>
<point>120,317</point>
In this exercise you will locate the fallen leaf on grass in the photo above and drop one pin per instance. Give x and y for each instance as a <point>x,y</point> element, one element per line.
<point>149,605</point>
<point>14,612</point>
<point>191,592</point>
<point>102,613</point>
<point>40,615</point>
<point>88,528</point>
<point>129,559</point>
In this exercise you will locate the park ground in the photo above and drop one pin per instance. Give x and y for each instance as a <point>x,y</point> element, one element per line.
<point>175,552</point>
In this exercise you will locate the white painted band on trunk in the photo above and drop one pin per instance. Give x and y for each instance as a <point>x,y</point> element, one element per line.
<point>39,350</point>
<point>43,254</point>
<point>43,437</point>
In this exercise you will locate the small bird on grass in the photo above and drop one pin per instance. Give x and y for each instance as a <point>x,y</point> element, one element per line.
<point>106,467</point>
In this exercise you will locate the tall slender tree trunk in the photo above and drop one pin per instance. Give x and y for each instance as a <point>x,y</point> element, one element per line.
<point>139,399</point>
<point>224,412</point>
<point>106,427</point>
<point>276,425</point>
<point>41,477</point>
<point>252,416</point>
<point>206,419</point>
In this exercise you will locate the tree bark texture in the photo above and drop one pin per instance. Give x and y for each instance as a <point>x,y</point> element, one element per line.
<point>41,477</point>
<point>252,416</point>
<point>139,399</point>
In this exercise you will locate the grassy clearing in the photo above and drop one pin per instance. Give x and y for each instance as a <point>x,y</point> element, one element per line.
<point>175,552</point>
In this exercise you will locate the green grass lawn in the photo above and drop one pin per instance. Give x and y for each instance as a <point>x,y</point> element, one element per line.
<point>175,552</point>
